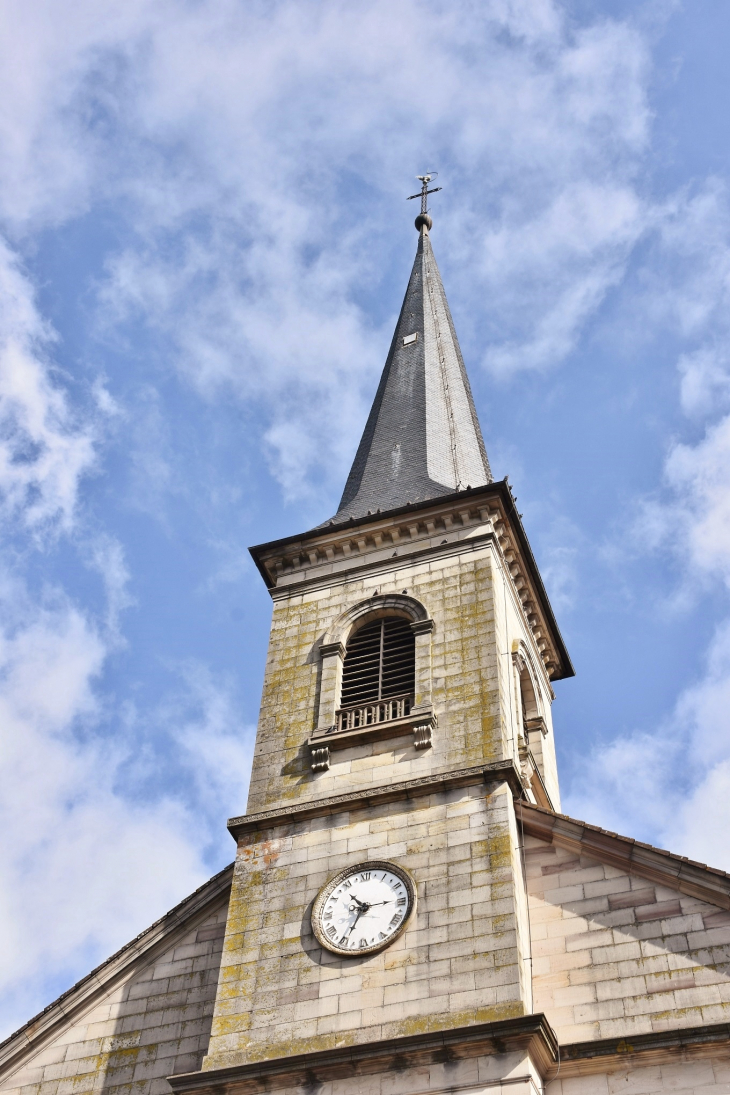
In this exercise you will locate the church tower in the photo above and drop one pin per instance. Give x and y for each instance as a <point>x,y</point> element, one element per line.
<point>378,902</point>
<point>409,913</point>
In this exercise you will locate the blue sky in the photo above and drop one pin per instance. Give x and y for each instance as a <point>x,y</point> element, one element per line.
<point>204,246</point>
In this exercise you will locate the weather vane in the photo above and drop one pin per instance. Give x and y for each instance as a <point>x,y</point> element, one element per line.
<point>424,191</point>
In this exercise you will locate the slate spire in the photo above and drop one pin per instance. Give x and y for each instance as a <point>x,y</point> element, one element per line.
<point>422,438</point>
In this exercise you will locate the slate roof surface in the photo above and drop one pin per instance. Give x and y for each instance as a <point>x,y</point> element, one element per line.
<point>422,438</point>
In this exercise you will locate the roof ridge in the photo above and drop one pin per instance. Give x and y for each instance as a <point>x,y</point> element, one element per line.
<point>627,840</point>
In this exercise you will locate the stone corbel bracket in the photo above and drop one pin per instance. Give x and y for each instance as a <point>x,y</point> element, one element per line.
<point>423,734</point>
<point>320,758</point>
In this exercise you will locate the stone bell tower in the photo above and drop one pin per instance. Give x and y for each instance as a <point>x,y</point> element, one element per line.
<point>377,935</point>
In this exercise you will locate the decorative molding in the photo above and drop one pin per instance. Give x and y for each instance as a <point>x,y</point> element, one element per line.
<point>642,1050</point>
<point>375,606</point>
<point>326,650</point>
<point>532,779</point>
<point>533,725</point>
<point>454,523</point>
<point>531,1033</point>
<point>333,649</point>
<point>379,562</point>
<point>631,856</point>
<point>501,771</point>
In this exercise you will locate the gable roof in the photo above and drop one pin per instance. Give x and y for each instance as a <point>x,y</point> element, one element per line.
<point>656,864</point>
<point>141,949</point>
<point>422,438</point>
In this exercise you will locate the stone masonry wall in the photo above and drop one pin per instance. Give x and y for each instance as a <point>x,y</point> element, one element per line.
<point>152,1024</point>
<point>614,955</point>
<point>458,961</point>
<point>467,694</point>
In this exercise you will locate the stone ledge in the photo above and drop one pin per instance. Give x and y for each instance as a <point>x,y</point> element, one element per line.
<point>589,1058</point>
<point>531,1033</point>
<point>326,649</point>
<point>375,731</point>
<point>502,771</point>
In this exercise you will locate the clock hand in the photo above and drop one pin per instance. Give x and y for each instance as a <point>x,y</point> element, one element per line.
<point>349,930</point>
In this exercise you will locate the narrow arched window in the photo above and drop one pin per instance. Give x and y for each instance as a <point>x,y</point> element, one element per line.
<point>378,676</point>
<point>530,709</point>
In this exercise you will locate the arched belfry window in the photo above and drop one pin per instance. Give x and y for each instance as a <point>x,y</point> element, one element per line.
<point>380,661</point>
<point>379,671</point>
<point>376,676</point>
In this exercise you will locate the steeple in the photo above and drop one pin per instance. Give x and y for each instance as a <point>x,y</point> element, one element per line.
<point>422,438</point>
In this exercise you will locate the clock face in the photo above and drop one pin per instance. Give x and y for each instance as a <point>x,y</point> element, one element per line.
<point>363,908</point>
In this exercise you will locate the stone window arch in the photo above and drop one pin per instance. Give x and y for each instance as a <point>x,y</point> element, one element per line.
<point>529,696</point>
<point>333,653</point>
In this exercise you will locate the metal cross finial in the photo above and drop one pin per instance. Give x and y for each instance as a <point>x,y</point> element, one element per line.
<point>424,191</point>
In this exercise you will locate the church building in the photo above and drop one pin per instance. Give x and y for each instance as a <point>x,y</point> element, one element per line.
<point>409,912</point>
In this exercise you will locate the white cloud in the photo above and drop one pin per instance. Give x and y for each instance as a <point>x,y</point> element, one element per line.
<point>688,284</point>
<point>106,556</point>
<point>705,386</point>
<point>687,288</point>
<point>567,259</point>
<point>65,831</point>
<point>627,785</point>
<point>89,854</point>
<point>671,785</point>
<point>228,134</point>
<point>223,137</point>
<point>700,476</point>
<point>44,450</point>
<point>204,723</point>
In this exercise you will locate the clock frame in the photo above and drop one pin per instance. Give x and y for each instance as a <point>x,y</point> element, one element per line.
<point>329,887</point>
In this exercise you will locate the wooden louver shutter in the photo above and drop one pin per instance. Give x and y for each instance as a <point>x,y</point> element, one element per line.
<point>380,662</point>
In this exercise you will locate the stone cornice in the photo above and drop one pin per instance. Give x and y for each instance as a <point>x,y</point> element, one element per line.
<point>352,526</point>
<point>655,864</point>
<point>641,1050</point>
<point>446,524</point>
<point>499,772</point>
<point>530,1033</point>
